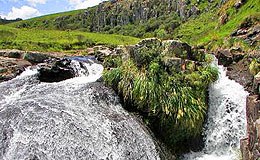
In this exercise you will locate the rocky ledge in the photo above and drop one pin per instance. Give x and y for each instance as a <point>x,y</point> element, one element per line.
<point>13,62</point>
<point>11,67</point>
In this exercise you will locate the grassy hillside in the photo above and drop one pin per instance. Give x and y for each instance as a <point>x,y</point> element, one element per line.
<point>51,22</point>
<point>54,40</point>
<point>163,20</point>
<point>143,18</point>
<point>207,29</point>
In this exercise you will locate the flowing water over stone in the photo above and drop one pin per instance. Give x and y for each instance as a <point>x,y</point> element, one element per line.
<point>226,123</point>
<point>72,119</point>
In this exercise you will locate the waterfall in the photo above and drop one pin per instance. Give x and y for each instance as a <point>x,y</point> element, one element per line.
<point>226,122</point>
<point>76,118</point>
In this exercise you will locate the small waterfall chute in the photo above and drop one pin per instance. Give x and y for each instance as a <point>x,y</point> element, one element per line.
<point>226,123</point>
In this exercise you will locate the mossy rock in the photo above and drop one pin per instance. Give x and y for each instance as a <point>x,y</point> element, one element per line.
<point>145,51</point>
<point>177,49</point>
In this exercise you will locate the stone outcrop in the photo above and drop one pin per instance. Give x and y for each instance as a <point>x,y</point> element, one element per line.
<point>249,32</point>
<point>227,56</point>
<point>32,57</point>
<point>13,62</point>
<point>111,16</point>
<point>177,56</point>
<point>238,63</point>
<point>250,146</point>
<point>11,67</point>
<point>56,70</point>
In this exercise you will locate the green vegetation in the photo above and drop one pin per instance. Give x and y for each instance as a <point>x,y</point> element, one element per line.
<point>206,29</point>
<point>158,19</point>
<point>53,40</point>
<point>58,21</point>
<point>198,24</point>
<point>174,102</point>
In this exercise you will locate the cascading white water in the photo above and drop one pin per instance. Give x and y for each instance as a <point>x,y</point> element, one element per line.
<point>71,119</point>
<point>226,123</point>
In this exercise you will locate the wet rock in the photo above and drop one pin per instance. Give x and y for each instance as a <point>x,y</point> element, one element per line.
<point>70,121</point>
<point>250,146</point>
<point>36,57</point>
<point>224,57</point>
<point>11,67</point>
<point>239,72</point>
<point>56,70</point>
<point>101,52</point>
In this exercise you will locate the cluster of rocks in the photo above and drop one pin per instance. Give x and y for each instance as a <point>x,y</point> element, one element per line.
<point>178,56</point>
<point>13,62</point>
<point>248,32</point>
<point>11,67</point>
<point>51,68</point>
<point>250,146</point>
<point>237,63</point>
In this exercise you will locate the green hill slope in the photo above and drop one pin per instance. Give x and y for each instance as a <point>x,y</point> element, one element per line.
<point>54,40</point>
<point>207,28</point>
<point>205,22</point>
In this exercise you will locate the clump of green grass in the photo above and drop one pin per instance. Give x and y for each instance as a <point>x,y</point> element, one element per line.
<point>175,102</point>
<point>53,40</point>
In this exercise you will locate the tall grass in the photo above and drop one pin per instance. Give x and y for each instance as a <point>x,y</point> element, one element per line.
<point>177,100</point>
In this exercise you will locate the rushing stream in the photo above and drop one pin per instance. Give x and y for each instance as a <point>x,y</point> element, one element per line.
<point>73,119</point>
<point>226,123</point>
<point>81,119</point>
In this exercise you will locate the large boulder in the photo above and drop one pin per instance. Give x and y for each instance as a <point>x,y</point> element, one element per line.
<point>56,70</point>
<point>145,51</point>
<point>178,49</point>
<point>36,57</point>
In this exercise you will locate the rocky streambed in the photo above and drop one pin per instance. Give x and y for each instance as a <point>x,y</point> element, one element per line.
<point>73,77</point>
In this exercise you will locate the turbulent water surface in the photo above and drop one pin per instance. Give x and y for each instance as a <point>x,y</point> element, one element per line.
<point>72,119</point>
<point>226,123</point>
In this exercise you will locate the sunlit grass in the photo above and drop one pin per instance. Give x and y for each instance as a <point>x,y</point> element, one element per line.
<point>53,40</point>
